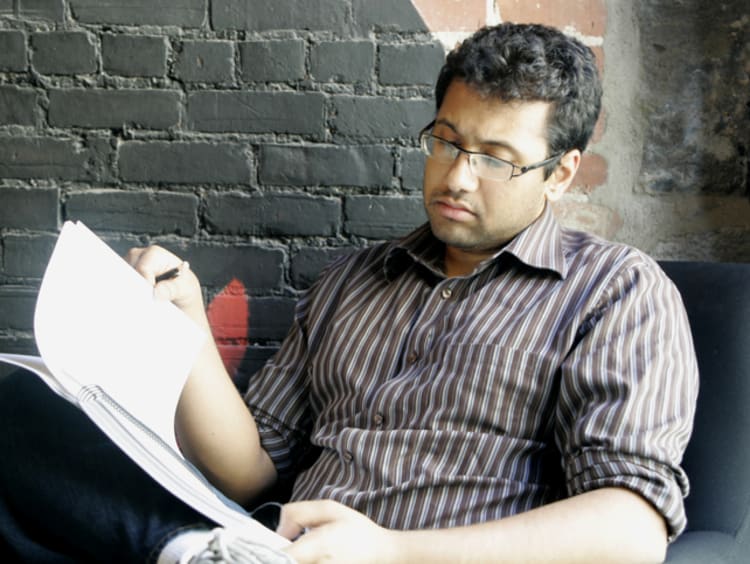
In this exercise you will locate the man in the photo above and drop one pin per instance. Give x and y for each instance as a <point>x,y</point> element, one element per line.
<point>493,387</point>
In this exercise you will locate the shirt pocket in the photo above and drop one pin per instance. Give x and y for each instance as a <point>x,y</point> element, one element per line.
<point>493,388</point>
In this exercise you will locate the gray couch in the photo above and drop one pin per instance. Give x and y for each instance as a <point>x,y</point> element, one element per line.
<point>717,459</point>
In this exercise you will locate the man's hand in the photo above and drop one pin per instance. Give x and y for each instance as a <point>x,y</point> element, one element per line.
<point>216,430</point>
<point>335,534</point>
<point>606,525</point>
<point>183,289</point>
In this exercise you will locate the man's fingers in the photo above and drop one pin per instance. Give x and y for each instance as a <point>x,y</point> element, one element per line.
<point>151,262</point>
<point>305,550</point>
<point>301,515</point>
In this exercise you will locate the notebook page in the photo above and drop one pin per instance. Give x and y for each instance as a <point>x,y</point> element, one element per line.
<point>97,322</point>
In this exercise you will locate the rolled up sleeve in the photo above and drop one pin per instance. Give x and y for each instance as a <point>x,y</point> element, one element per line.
<point>278,399</point>
<point>628,393</point>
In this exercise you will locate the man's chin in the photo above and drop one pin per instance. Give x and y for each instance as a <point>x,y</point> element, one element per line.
<point>454,236</point>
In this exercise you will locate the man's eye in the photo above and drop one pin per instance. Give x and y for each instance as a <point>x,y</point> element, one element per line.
<point>443,147</point>
<point>492,162</point>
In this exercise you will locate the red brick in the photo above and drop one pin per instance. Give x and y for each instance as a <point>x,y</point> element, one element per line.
<point>591,173</point>
<point>599,54</point>
<point>588,17</point>
<point>452,15</point>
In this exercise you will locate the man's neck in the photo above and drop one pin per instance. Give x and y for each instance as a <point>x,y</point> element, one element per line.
<point>462,262</point>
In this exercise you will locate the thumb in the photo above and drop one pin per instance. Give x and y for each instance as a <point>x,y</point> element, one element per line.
<point>299,516</point>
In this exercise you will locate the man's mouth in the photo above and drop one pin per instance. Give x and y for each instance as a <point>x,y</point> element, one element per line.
<point>452,210</point>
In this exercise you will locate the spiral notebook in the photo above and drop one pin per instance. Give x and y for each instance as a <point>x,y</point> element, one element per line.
<point>107,346</point>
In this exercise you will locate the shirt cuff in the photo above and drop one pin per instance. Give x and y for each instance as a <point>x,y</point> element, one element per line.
<point>661,485</point>
<point>276,443</point>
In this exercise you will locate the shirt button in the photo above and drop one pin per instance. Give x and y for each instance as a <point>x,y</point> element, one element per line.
<point>378,419</point>
<point>348,456</point>
<point>446,293</point>
<point>412,358</point>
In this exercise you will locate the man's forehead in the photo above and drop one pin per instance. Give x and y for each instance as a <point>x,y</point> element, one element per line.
<point>485,120</point>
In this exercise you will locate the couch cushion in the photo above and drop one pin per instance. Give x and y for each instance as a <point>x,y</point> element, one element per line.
<point>717,460</point>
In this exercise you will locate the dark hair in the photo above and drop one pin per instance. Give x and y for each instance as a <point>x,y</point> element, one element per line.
<point>531,62</point>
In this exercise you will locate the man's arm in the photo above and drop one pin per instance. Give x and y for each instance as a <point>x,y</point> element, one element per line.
<point>214,427</point>
<point>606,525</point>
<point>217,432</point>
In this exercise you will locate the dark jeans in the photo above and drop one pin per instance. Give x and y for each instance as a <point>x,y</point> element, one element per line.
<point>68,493</point>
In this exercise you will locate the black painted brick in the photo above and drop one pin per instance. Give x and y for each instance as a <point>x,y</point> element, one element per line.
<point>382,217</point>
<point>343,61</point>
<point>28,208</point>
<point>216,265</point>
<point>205,61</point>
<point>410,64</point>
<point>308,262</point>
<point>39,157</point>
<point>147,109</point>
<point>412,169</point>
<point>42,9</point>
<point>257,112</point>
<point>375,117</point>
<point>183,13</point>
<point>184,162</point>
<point>133,55</point>
<point>17,307</point>
<point>260,15</point>
<point>386,15</point>
<point>63,52</point>
<point>272,61</point>
<point>120,243</point>
<point>135,212</point>
<point>270,318</point>
<point>272,214</point>
<point>26,256</point>
<point>17,105</point>
<point>253,359</point>
<point>12,51</point>
<point>325,165</point>
<point>101,148</point>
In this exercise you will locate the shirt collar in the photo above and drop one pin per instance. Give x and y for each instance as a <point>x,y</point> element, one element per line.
<point>539,246</point>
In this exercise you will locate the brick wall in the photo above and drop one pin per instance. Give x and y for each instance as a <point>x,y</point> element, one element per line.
<point>256,139</point>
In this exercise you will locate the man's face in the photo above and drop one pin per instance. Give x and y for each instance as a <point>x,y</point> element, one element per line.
<point>477,215</point>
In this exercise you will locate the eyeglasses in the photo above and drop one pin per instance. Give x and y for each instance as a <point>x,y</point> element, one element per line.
<point>480,164</point>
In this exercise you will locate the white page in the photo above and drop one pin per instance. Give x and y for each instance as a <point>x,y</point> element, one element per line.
<point>175,473</point>
<point>96,318</point>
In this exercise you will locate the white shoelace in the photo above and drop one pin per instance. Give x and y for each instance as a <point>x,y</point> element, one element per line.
<point>230,547</point>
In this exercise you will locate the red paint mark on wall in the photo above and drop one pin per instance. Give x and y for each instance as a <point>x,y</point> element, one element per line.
<point>229,318</point>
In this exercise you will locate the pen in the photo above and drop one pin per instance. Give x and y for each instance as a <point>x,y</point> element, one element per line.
<point>171,273</point>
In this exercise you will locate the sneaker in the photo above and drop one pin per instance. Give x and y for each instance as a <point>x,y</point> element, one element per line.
<point>225,545</point>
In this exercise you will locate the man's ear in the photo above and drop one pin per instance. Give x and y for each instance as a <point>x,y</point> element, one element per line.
<point>560,179</point>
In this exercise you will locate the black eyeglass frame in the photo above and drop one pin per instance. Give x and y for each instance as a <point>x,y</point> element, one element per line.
<point>514,167</point>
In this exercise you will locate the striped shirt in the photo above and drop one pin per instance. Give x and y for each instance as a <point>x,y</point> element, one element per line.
<point>562,364</point>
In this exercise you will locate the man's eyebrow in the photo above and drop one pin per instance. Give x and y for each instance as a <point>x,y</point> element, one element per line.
<point>486,142</point>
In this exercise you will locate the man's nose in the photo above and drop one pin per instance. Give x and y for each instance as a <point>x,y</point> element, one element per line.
<point>459,177</point>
